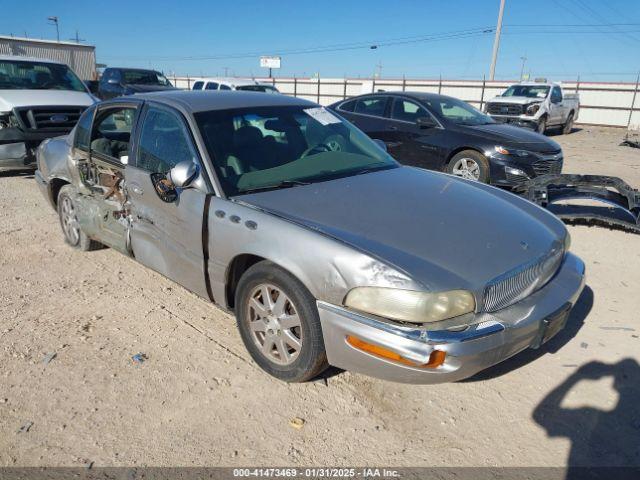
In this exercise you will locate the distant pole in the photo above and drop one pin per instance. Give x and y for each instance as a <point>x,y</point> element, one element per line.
<point>226,69</point>
<point>54,21</point>
<point>524,61</point>
<point>496,42</point>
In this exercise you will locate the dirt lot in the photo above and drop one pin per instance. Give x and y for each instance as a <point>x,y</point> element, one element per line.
<point>199,400</point>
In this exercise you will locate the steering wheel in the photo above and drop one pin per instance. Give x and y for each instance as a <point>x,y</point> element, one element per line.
<point>333,143</point>
<point>319,148</point>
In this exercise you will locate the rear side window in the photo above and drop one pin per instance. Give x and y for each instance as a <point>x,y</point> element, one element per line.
<point>371,106</point>
<point>164,142</point>
<point>197,85</point>
<point>407,111</point>
<point>211,86</point>
<point>83,130</point>
<point>225,87</point>
<point>348,106</point>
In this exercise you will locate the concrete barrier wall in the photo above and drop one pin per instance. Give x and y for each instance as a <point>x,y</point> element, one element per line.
<point>606,104</point>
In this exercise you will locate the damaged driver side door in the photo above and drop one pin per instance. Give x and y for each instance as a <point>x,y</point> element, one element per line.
<point>166,220</point>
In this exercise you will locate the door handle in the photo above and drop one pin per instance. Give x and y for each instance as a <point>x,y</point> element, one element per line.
<point>391,127</point>
<point>136,188</point>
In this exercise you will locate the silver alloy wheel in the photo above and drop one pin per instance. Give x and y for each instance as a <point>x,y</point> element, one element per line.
<point>274,324</point>
<point>466,168</point>
<point>69,221</point>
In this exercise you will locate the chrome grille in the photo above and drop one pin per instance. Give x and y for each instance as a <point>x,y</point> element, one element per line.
<point>521,282</point>
<point>504,109</point>
<point>49,118</point>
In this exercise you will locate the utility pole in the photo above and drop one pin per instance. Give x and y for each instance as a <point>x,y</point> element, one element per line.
<point>226,69</point>
<point>496,42</point>
<point>379,67</point>
<point>77,38</point>
<point>54,21</point>
<point>524,60</point>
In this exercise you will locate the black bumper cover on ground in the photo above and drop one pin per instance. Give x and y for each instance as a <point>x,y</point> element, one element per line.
<point>622,202</point>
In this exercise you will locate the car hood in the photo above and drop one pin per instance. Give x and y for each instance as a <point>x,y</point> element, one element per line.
<point>10,99</point>
<point>444,232</point>
<point>516,100</point>
<point>508,135</point>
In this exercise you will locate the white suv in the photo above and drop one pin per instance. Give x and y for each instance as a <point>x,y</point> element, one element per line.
<point>222,83</point>
<point>39,99</point>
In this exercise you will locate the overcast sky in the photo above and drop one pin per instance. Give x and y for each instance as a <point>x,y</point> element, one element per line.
<point>598,40</point>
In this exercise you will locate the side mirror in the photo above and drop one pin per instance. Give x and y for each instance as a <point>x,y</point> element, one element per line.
<point>183,174</point>
<point>380,143</point>
<point>426,122</point>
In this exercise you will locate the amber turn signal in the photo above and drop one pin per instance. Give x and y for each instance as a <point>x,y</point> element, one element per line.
<point>435,359</point>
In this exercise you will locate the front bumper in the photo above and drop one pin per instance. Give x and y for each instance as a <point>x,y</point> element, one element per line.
<point>18,147</point>
<point>512,171</point>
<point>523,121</point>
<point>499,336</point>
<point>16,156</point>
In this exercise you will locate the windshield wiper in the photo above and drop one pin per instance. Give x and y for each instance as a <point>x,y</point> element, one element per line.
<point>276,186</point>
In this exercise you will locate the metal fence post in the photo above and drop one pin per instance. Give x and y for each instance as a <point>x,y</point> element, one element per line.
<point>482,93</point>
<point>318,99</point>
<point>188,82</point>
<point>440,85</point>
<point>633,101</point>
<point>373,85</point>
<point>578,85</point>
<point>404,83</point>
<point>295,86</point>
<point>344,89</point>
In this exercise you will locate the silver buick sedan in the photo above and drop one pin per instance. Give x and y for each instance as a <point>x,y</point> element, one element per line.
<point>327,251</point>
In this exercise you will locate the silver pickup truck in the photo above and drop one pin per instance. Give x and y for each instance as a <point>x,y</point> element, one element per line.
<point>536,105</point>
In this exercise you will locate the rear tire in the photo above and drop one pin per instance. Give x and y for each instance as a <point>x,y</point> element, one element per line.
<point>471,165</point>
<point>568,126</point>
<point>279,323</point>
<point>73,234</point>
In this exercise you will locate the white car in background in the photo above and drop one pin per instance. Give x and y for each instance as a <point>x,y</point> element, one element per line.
<point>230,83</point>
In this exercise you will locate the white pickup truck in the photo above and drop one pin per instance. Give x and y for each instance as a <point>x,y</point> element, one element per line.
<point>39,99</point>
<point>536,105</point>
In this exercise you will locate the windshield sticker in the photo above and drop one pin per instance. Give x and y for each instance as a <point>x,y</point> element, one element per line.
<point>322,115</point>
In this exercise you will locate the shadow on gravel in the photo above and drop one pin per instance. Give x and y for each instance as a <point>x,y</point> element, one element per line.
<point>574,323</point>
<point>557,132</point>
<point>604,439</point>
<point>17,173</point>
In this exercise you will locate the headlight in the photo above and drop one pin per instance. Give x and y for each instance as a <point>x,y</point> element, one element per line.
<point>533,108</point>
<point>505,151</point>
<point>409,305</point>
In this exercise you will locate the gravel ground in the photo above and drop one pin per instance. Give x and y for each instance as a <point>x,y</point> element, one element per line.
<point>198,399</point>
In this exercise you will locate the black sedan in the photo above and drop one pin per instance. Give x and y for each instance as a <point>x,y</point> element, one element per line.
<point>446,134</point>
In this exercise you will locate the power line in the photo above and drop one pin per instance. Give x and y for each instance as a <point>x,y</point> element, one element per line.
<point>337,47</point>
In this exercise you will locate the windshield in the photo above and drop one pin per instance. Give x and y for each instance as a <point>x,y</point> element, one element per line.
<point>458,112</point>
<point>144,77</point>
<point>277,147</point>
<point>529,91</point>
<point>22,75</point>
<point>258,88</point>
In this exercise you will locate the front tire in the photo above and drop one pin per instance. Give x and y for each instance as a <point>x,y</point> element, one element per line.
<point>470,165</point>
<point>542,125</point>
<point>279,323</point>
<point>73,234</point>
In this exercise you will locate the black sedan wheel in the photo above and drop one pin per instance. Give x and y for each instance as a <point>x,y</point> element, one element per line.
<point>470,165</point>
<point>279,323</point>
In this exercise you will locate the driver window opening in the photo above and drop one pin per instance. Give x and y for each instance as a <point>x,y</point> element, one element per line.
<point>112,133</point>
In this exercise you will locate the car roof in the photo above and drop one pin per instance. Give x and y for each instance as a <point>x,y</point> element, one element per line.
<point>202,101</point>
<point>415,95</point>
<point>19,58</point>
